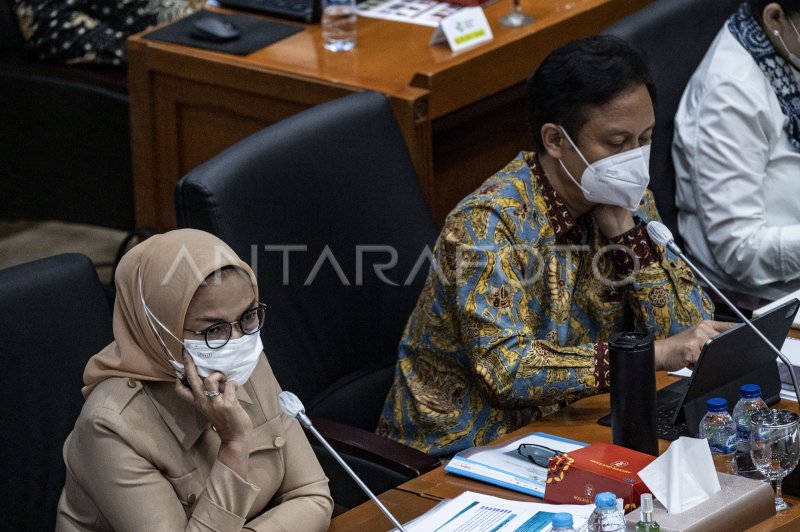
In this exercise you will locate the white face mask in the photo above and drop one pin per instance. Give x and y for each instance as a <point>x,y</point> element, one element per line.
<point>236,360</point>
<point>793,59</point>
<point>616,180</point>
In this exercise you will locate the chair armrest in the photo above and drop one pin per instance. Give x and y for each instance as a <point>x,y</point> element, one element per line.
<point>368,446</point>
<point>114,79</point>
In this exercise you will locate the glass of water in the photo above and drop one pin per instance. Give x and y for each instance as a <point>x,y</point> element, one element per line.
<point>339,25</point>
<point>775,447</point>
<point>516,18</point>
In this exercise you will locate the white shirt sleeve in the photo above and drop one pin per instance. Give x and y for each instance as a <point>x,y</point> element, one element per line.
<point>729,149</point>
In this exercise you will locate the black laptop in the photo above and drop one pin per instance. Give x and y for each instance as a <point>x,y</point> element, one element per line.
<point>737,356</point>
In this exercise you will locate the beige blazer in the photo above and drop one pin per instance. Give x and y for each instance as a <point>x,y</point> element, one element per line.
<point>139,459</point>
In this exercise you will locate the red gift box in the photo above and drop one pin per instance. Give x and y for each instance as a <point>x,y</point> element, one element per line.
<point>576,477</point>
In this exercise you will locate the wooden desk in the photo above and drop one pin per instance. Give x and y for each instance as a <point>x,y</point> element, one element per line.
<point>462,114</point>
<point>578,421</point>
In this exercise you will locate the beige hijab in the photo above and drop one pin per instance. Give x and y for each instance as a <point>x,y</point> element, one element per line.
<point>165,270</point>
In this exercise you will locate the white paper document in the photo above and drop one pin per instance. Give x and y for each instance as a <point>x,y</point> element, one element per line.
<point>422,12</point>
<point>476,512</point>
<point>502,465</point>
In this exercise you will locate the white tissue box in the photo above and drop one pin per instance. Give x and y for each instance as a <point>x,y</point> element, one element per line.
<point>740,504</point>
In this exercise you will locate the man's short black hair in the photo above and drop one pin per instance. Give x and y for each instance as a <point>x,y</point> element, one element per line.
<point>790,7</point>
<point>580,75</point>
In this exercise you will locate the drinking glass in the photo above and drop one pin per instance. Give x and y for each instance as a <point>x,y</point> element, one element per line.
<point>516,18</point>
<point>338,24</point>
<point>775,447</point>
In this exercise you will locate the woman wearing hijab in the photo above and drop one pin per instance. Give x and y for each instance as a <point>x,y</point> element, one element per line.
<point>181,429</point>
<point>737,153</point>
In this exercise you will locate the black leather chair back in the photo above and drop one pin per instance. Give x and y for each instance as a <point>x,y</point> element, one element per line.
<point>55,315</point>
<point>313,203</point>
<point>66,151</point>
<point>674,35</point>
<point>64,137</point>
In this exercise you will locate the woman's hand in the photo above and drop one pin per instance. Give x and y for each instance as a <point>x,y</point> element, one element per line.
<point>223,411</point>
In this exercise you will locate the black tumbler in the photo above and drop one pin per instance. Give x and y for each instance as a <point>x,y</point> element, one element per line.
<point>633,391</point>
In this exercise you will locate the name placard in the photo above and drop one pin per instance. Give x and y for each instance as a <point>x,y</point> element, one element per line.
<point>463,29</point>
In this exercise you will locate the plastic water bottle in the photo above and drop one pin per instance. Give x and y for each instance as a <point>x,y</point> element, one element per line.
<point>718,428</point>
<point>339,25</point>
<point>606,517</point>
<point>562,522</point>
<point>750,403</point>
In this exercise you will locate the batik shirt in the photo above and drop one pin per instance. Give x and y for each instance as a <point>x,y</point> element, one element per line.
<point>91,31</point>
<point>519,303</point>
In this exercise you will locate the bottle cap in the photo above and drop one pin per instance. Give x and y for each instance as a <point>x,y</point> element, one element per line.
<point>630,341</point>
<point>605,500</point>
<point>750,390</point>
<point>717,404</point>
<point>562,520</point>
<point>646,503</point>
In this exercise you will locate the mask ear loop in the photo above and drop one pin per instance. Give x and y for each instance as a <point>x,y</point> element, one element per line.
<point>574,146</point>
<point>586,192</point>
<point>150,317</point>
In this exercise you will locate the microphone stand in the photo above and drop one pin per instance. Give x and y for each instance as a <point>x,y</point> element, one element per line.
<point>672,246</point>
<point>352,474</point>
<point>292,406</point>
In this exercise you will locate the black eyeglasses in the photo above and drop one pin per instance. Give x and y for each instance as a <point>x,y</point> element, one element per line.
<point>218,334</point>
<point>538,454</point>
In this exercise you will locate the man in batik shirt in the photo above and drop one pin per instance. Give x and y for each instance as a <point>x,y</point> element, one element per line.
<point>537,268</point>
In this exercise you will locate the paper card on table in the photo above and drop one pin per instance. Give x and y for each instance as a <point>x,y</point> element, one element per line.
<point>466,28</point>
<point>478,512</point>
<point>503,466</point>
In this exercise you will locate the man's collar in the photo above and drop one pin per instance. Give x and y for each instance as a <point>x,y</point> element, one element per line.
<point>558,215</point>
<point>185,422</point>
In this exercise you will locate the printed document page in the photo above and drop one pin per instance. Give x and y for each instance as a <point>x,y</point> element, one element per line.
<point>475,512</point>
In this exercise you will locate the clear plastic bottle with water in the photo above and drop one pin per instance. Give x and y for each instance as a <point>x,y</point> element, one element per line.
<point>749,404</point>
<point>606,517</point>
<point>562,522</point>
<point>718,428</point>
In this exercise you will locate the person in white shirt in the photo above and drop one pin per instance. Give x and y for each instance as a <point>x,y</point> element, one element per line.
<point>737,153</point>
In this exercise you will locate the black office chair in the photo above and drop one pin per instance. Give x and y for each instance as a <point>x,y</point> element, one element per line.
<point>65,147</point>
<point>315,203</point>
<point>55,315</point>
<point>674,35</point>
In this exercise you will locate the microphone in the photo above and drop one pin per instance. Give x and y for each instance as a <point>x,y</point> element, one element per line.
<point>293,407</point>
<point>663,236</point>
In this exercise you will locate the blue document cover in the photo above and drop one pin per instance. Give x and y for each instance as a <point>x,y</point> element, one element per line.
<point>503,465</point>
